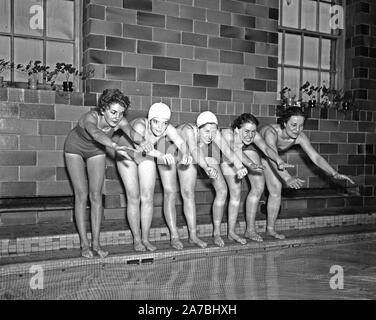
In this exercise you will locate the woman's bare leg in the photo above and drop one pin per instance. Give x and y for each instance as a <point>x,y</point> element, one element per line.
<point>187,180</point>
<point>147,175</point>
<point>128,171</point>
<point>95,171</point>
<point>76,169</point>
<point>220,187</point>
<point>169,182</point>
<point>257,180</point>
<point>274,186</point>
<point>234,186</point>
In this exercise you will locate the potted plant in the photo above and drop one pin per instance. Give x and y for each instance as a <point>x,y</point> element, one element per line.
<point>330,97</point>
<point>68,71</point>
<point>310,91</point>
<point>70,74</point>
<point>33,69</point>
<point>4,65</point>
<point>348,101</point>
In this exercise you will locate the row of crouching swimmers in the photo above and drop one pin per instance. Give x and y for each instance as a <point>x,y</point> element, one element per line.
<point>245,152</point>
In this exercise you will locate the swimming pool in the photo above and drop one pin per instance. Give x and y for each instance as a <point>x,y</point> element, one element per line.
<point>312,272</point>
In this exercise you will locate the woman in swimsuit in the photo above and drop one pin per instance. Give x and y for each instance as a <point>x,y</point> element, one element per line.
<point>86,145</point>
<point>139,175</point>
<point>198,137</point>
<point>242,138</point>
<point>280,137</point>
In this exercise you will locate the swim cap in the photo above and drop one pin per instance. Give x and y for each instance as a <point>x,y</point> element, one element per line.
<point>159,110</point>
<point>206,117</point>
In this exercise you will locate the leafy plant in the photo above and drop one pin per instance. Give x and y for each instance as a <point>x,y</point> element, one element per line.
<point>5,65</point>
<point>68,71</point>
<point>286,98</point>
<point>33,68</point>
<point>310,90</point>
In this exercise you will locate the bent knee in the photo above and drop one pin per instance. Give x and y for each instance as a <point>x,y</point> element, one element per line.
<point>221,194</point>
<point>95,196</point>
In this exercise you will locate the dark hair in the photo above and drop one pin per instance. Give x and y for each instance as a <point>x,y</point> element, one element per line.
<point>110,96</point>
<point>244,118</point>
<point>288,113</point>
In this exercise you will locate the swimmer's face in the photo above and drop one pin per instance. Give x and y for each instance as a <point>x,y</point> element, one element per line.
<point>208,132</point>
<point>294,126</point>
<point>158,126</point>
<point>247,132</point>
<point>113,114</point>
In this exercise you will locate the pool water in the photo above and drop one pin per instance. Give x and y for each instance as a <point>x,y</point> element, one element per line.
<point>292,273</point>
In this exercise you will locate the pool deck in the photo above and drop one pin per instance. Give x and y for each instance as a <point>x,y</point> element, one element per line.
<point>126,254</point>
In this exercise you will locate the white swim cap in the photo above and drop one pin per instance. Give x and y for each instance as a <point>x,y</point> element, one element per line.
<point>206,117</point>
<point>159,110</point>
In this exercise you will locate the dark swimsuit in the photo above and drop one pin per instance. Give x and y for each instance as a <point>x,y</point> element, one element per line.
<point>80,142</point>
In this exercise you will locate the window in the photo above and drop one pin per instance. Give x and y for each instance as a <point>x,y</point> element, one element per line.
<point>46,30</point>
<point>308,46</point>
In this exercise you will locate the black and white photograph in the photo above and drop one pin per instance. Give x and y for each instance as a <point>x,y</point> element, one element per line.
<point>188,157</point>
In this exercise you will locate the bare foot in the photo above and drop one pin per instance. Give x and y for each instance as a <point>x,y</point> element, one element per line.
<point>100,252</point>
<point>138,246</point>
<point>253,235</point>
<point>149,246</point>
<point>233,236</point>
<point>198,242</point>
<point>218,241</point>
<point>86,252</point>
<point>276,235</point>
<point>176,243</point>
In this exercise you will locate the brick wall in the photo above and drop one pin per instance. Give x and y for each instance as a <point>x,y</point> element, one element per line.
<point>219,55</point>
<point>195,55</point>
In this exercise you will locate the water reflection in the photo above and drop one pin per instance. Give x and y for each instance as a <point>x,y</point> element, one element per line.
<point>296,273</point>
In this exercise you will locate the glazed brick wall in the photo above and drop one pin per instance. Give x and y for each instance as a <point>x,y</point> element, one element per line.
<point>193,51</point>
<point>32,135</point>
<point>360,64</point>
<point>195,55</point>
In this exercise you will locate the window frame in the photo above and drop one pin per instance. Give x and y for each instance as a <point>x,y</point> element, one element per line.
<point>76,41</point>
<point>336,70</point>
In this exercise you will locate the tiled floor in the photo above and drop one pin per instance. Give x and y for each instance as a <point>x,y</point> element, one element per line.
<point>68,238</point>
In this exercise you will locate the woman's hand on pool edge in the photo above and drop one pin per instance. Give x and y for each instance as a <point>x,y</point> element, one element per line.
<point>342,177</point>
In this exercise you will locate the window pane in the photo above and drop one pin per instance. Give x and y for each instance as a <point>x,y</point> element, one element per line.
<point>325,80</point>
<point>311,52</point>
<point>292,80</point>
<point>325,54</point>
<point>312,77</point>
<point>309,15</point>
<point>58,52</point>
<point>324,17</point>
<point>292,49</point>
<point>4,15</point>
<point>290,14</point>
<point>5,54</point>
<point>28,17</point>
<point>60,19</point>
<point>24,51</point>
